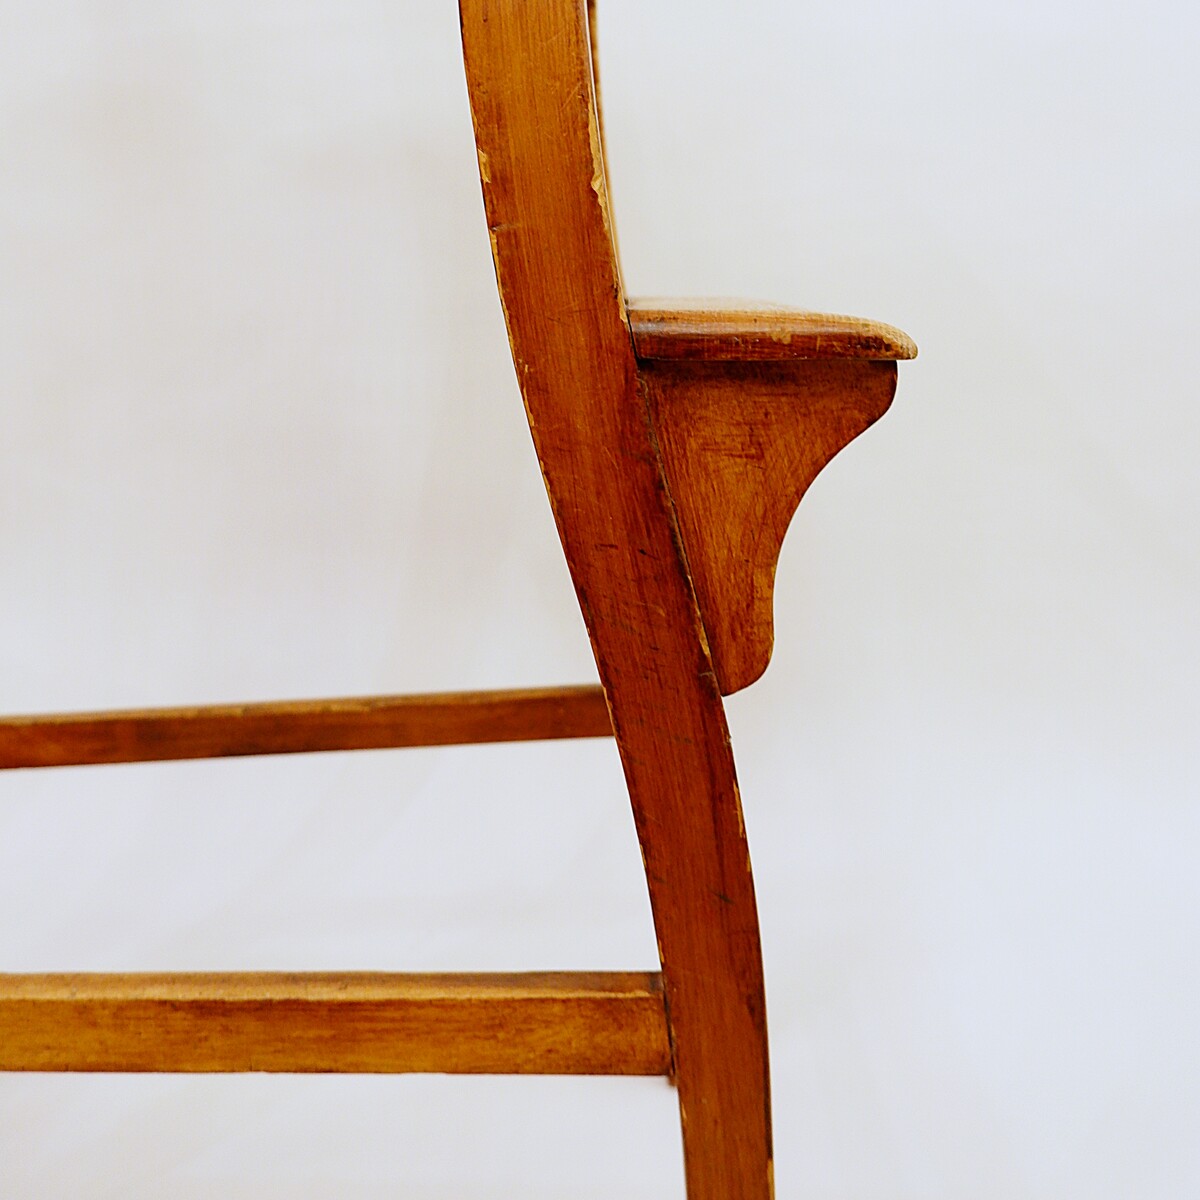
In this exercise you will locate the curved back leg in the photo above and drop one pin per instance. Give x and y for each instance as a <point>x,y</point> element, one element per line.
<point>541,164</point>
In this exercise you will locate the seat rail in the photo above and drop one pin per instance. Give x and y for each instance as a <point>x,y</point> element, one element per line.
<point>564,1023</point>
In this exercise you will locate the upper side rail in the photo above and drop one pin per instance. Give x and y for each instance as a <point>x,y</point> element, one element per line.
<point>303,726</point>
<point>548,1023</point>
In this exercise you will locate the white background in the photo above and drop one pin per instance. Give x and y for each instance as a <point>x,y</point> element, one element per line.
<point>260,439</point>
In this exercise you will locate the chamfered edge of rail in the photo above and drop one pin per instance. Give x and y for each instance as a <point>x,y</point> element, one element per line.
<point>589,1023</point>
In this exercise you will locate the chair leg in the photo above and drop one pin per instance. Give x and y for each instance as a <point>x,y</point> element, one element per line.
<point>688,813</point>
<point>720,1056</point>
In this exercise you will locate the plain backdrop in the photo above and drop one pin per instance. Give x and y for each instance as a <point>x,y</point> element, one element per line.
<point>261,439</point>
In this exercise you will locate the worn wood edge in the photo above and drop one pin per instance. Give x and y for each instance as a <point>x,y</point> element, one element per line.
<point>303,726</point>
<point>590,1023</point>
<point>722,330</point>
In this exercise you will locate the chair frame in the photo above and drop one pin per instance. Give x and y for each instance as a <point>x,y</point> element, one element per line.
<point>675,442</point>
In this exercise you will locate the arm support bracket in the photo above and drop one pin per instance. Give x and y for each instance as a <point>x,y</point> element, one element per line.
<point>741,440</point>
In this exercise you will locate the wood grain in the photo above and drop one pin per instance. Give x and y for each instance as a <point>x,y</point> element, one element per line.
<point>741,442</point>
<point>549,1024</point>
<point>725,330</point>
<point>303,726</point>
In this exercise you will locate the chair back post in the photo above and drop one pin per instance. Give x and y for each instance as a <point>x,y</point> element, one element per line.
<point>541,162</point>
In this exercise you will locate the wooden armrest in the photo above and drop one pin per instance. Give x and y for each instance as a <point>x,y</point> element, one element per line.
<point>732,330</point>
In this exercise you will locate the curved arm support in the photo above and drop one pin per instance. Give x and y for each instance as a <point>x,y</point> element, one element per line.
<point>740,444</point>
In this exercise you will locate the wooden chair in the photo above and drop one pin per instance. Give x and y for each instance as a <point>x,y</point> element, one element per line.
<point>676,442</point>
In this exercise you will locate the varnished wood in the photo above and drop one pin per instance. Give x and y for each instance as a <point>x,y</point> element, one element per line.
<point>741,442</point>
<point>542,169</point>
<point>303,726</point>
<point>725,330</point>
<point>675,441</point>
<point>547,1024</point>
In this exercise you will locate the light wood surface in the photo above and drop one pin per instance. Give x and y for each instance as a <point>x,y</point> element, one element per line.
<point>303,726</point>
<point>724,330</point>
<point>562,1023</point>
<point>741,442</point>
